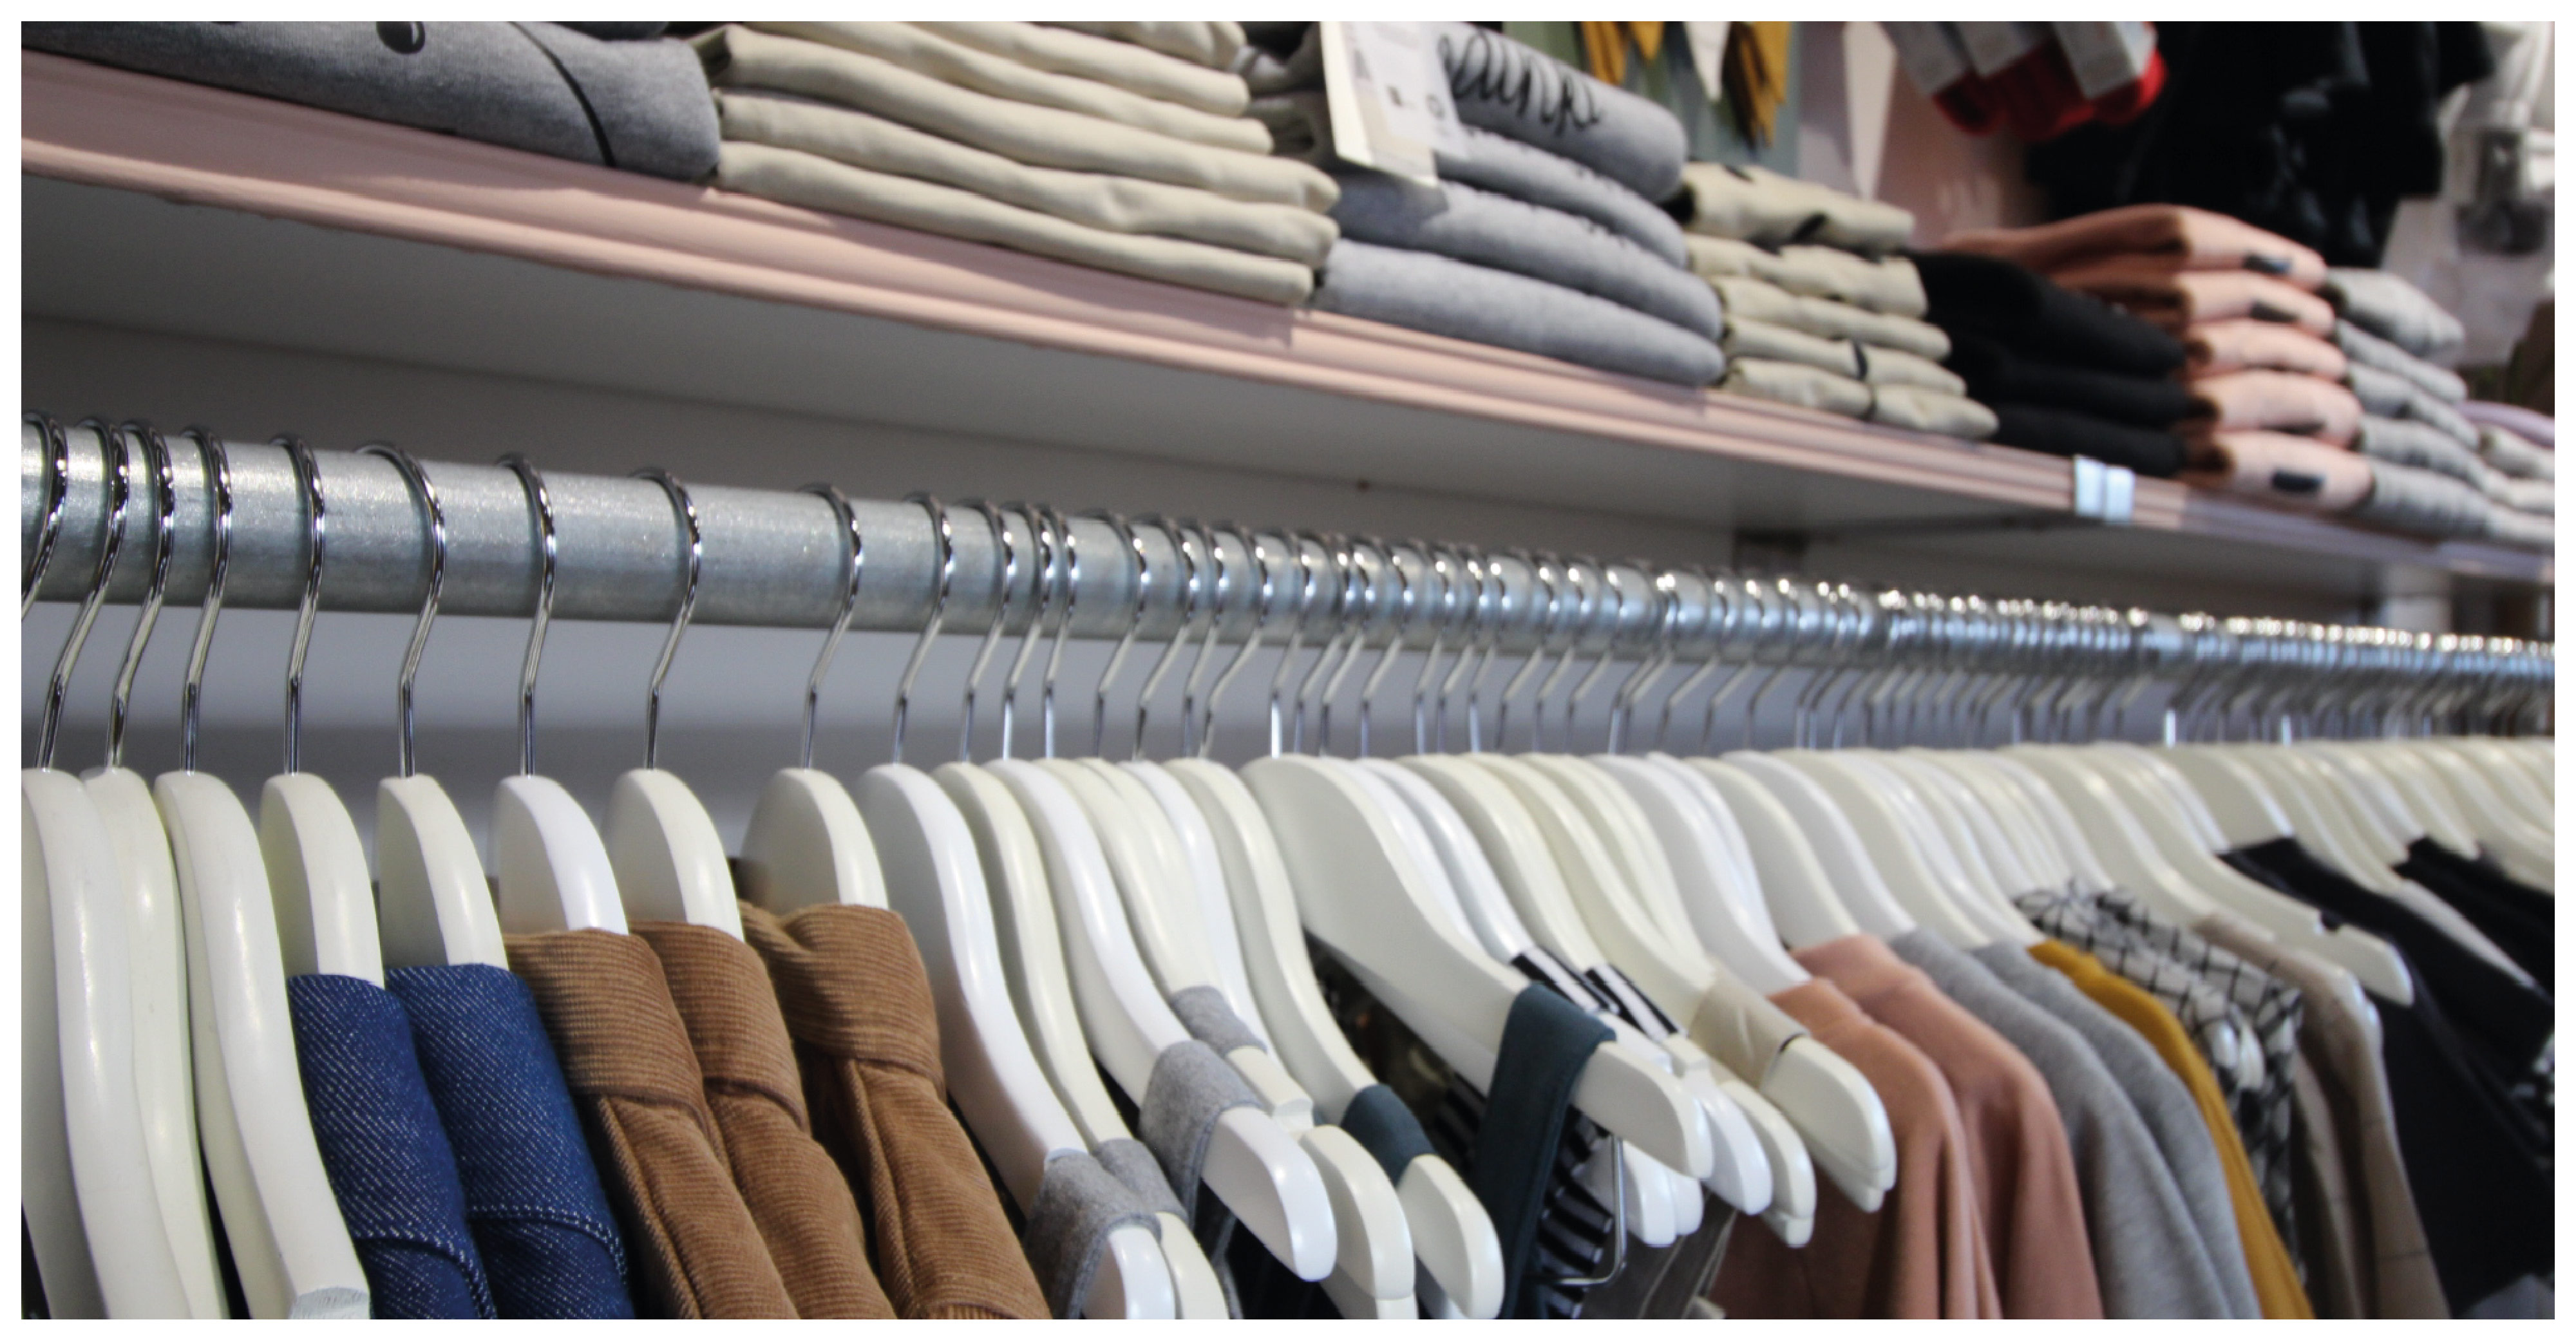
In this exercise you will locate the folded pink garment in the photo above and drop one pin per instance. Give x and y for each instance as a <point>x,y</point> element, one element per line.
<point>2175,299</point>
<point>2177,237</point>
<point>2295,472</point>
<point>2240,343</point>
<point>2310,407</point>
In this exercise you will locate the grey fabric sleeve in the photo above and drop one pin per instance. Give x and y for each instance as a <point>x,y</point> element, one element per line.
<point>541,87</point>
<point>1133,1164</point>
<point>1190,1088</point>
<point>1078,1204</point>
<point>1210,1019</point>
<point>1495,307</point>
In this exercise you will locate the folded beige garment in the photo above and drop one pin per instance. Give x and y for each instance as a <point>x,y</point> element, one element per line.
<point>1919,408</point>
<point>1048,137</point>
<point>1133,68</point>
<point>1118,204</point>
<point>1762,300</point>
<point>798,178</point>
<point>1210,42</point>
<point>1759,205</point>
<point>1753,339</point>
<point>923,51</point>
<point>1890,286</point>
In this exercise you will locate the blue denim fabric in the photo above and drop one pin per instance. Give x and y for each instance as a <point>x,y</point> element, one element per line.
<point>532,1195</point>
<point>387,1155</point>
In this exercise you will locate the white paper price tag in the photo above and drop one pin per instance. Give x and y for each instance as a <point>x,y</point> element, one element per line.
<point>1388,98</point>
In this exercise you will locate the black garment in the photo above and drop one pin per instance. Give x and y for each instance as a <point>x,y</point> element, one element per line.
<point>2072,433</point>
<point>2011,303</point>
<point>2507,1023</point>
<point>2520,920</point>
<point>2312,130</point>
<point>1997,374</point>
<point>2481,1177</point>
<point>1547,1040</point>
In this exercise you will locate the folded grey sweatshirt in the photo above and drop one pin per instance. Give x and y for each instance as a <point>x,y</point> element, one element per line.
<point>1515,90</point>
<point>2361,346</point>
<point>2392,309</point>
<point>2409,498</point>
<point>2414,443</point>
<point>1433,293</point>
<point>542,87</point>
<point>1301,128</point>
<point>2393,396</point>
<point>1471,224</point>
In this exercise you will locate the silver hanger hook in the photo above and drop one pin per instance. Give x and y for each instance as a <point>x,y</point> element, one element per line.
<point>849,520</point>
<point>692,563</point>
<point>308,481</point>
<point>1716,611</point>
<point>1471,565</point>
<point>1542,569</point>
<point>156,458</point>
<point>119,470</point>
<point>1359,639</point>
<point>1587,599</point>
<point>943,542</point>
<point>216,466</point>
<point>1486,634</point>
<point>1006,583</point>
<point>541,514</point>
<point>58,490</point>
<point>1220,591</point>
<point>1307,582</point>
<point>1623,705</point>
<point>1267,588</point>
<point>435,537</point>
<point>1338,553</point>
<point>1449,566</point>
<point>1142,574</point>
<point>1063,627</point>
<point>1394,642</point>
<point>1043,534</point>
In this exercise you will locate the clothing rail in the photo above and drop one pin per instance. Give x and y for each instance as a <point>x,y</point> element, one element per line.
<point>778,558</point>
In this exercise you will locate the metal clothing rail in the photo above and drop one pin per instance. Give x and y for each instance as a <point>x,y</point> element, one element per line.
<point>779,558</point>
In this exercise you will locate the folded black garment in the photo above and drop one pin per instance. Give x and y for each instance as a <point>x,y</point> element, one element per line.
<point>2028,312</point>
<point>638,105</point>
<point>1997,374</point>
<point>2072,433</point>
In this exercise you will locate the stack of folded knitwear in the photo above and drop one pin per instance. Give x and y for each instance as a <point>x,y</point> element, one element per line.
<point>1122,146</point>
<point>1541,233</point>
<point>1819,312</point>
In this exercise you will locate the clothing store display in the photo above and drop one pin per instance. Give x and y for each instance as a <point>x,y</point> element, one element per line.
<point>1048,137</point>
<point>2521,920</point>
<point>1927,410</point>
<point>2267,1259</point>
<point>1125,65</point>
<point>1753,204</point>
<point>2514,454</point>
<point>1746,338</point>
<point>2028,1201</point>
<point>2073,433</point>
<point>1997,375</point>
<point>1921,1255</point>
<point>2480,1174</point>
<point>1545,1043</point>
<point>1921,409</point>
<point>2530,425</point>
<point>1510,89</point>
<point>2026,311</point>
<point>2362,347</point>
<point>1666,1283</point>
<point>2177,236</point>
<point>1495,307</point>
<point>1209,42</point>
<point>2162,1103</point>
<point>2407,497</point>
<point>2291,471</point>
<point>540,1219</point>
<point>389,1160</point>
<point>797,178</point>
<point>2414,443</point>
<point>693,1247</point>
<point>2393,310</point>
<point>1887,284</point>
<point>2307,407</point>
<point>1469,224</point>
<point>1079,1203</point>
<point>2393,396</point>
<point>636,105</point>
<point>2218,1027</point>
<point>1377,1119</point>
<point>2176,299</point>
<point>2229,346</point>
<point>1761,300</point>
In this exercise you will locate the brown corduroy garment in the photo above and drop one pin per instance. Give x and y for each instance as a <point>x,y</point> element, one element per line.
<point>627,1061</point>
<point>852,988</point>
<point>797,1196</point>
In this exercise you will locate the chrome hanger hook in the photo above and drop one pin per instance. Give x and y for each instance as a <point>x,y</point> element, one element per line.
<point>541,510</point>
<point>308,480</point>
<point>156,458</point>
<point>849,520</point>
<point>1142,573</point>
<point>1193,723</point>
<point>1268,590</point>
<point>1050,550</point>
<point>1394,642</point>
<point>1190,593</point>
<point>120,492</point>
<point>1359,637</point>
<point>693,561</point>
<point>58,490</point>
<point>943,541</point>
<point>1006,583</point>
<point>1307,582</point>
<point>1063,627</point>
<point>435,536</point>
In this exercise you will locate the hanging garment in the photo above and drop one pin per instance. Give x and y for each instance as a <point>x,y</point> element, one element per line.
<point>1510,89</point>
<point>2028,1199</point>
<point>1997,375</point>
<point>2146,1254</point>
<point>1754,204</point>
<point>1546,1042</point>
<point>391,1168</point>
<point>540,1219</point>
<point>2217,1027</point>
<point>2397,1280</point>
<point>1754,73</point>
<point>2028,312</point>
<point>2176,299</point>
<point>2163,1103</point>
<point>1667,1283</point>
<point>795,1193</point>
<point>2177,235</point>
<point>1079,1203</point>
<point>542,87</point>
<point>694,1248</point>
<point>2267,1260</point>
<point>2230,346</point>
<point>1605,47</point>
<point>1922,1254</point>
<point>2519,918</point>
<point>857,1002</point>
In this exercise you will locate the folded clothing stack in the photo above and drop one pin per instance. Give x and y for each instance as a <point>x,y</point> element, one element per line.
<point>1817,313</point>
<point>2064,373</point>
<point>1541,235</point>
<point>1125,148</point>
<point>615,94</point>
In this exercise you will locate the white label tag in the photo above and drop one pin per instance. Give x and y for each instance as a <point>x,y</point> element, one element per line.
<point>1388,97</point>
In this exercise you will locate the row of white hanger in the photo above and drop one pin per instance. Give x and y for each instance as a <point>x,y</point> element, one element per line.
<point>1059,904</point>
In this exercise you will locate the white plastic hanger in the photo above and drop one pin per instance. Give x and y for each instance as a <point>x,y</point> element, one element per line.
<point>164,1087</point>
<point>934,878</point>
<point>1985,855</point>
<point>102,1239</point>
<point>1900,852</point>
<point>1797,894</point>
<point>550,871</point>
<point>432,905</point>
<point>1848,862</point>
<point>669,860</point>
<point>317,868</point>
<point>806,844</point>
<point>280,1217</point>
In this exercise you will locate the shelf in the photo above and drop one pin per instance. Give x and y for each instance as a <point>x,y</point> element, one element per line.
<point>333,234</point>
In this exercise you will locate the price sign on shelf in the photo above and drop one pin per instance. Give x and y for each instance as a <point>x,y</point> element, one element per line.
<point>1388,97</point>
